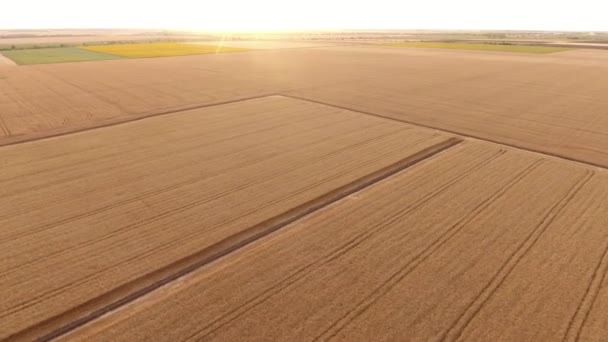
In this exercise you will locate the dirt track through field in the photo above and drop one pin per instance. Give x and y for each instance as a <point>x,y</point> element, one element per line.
<point>88,223</point>
<point>405,266</point>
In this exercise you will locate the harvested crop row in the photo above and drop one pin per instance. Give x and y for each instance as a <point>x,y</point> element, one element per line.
<point>93,217</point>
<point>478,243</point>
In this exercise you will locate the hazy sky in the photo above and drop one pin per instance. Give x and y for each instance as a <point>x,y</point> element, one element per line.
<point>307,14</point>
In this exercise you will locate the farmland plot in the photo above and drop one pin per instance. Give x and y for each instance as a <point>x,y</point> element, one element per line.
<point>551,103</point>
<point>267,44</point>
<point>160,49</point>
<point>477,243</point>
<point>91,218</point>
<point>537,102</point>
<point>480,47</point>
<point>55,55</point>
<point>61,98</point>
<point>109,51</point>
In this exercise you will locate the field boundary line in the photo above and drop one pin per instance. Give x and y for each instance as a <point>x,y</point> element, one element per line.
<point>16,140</point>
<point>560,157</point>
<point>74,318</point>
<point>7,61</point>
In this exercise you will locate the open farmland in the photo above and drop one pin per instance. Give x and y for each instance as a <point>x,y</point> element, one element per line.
<point>267,44</point>
<point>311,192</point>
<point>480,47</point>
<point>61,98</point>
<point>551,103</point>
<point>160,49</point>
<point>89,221</point>
<point>111,51</point>
<point>401,268</point>
<point>55,55</point>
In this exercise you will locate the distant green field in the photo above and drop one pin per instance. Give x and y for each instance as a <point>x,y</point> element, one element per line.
<point>111,51</point>
<point>55,55</point>
<point>480,47</point>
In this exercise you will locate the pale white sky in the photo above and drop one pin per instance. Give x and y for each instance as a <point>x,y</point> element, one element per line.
<point>586,15</point>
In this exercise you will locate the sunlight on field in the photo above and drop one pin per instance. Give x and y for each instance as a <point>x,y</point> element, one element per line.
<point>159,49</point>
<point>480,47</point>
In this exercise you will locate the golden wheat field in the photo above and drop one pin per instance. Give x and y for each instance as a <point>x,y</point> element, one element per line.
<point>145,50</point>
<point>305,191</point>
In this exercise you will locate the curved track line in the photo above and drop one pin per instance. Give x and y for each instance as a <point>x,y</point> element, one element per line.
<point>460,325</point>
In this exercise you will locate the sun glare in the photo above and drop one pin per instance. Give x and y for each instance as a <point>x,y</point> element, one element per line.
<point>274,15</point>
